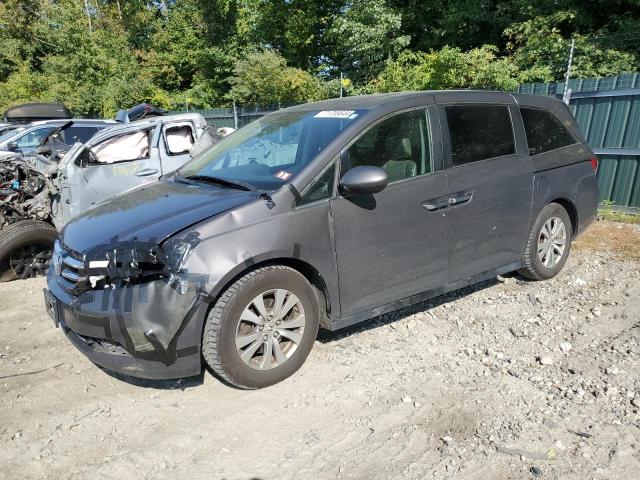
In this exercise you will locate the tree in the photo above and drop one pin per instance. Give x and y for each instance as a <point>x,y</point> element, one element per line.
<point>295,28</point>
<point>540,44</point>
<point>262,77</point>
<point>448,68</point>
<point>368,34</point>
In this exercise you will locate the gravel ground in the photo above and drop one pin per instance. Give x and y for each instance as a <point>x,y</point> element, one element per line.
<point>509,379</point>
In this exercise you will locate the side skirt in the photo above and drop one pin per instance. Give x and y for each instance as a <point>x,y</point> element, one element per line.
<point>421,297</point>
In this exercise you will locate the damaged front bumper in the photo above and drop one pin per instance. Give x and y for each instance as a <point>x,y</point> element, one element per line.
<point>147,330</point>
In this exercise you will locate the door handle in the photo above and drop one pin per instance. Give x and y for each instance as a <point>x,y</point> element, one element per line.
<point>145,172</point>
<point>460,198</point>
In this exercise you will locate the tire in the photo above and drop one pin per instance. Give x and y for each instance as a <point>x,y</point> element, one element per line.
<point>537,268</point>
<point>227,324</point>
<point>37,237</point>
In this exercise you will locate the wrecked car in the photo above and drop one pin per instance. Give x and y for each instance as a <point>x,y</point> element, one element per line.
<point>325,214</point>
<point>27,138</point>
<point>42,191</point>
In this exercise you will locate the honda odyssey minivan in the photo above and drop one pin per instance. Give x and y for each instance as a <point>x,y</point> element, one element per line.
<point>320,215</point>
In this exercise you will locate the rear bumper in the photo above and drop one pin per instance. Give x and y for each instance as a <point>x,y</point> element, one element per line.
<point>586,202</point>
<point>104,335</point>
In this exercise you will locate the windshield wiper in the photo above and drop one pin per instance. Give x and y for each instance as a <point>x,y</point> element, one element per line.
<point>222,181</point>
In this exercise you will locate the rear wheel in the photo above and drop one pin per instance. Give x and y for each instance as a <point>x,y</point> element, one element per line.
<point>262,328</point>
<point>25,249</point>
<point>549,243</point>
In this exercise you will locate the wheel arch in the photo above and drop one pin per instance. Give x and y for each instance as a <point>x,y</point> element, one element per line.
<point>304,268</point>
<point>571,209</point>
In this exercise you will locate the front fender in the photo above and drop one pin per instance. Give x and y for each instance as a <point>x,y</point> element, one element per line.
<point>238,240</point>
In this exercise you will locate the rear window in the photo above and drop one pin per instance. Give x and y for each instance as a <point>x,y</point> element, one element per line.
<point>479,132</point>
<point>75,134</point>
<point>544,131</point>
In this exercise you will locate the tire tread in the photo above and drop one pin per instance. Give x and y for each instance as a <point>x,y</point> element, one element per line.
<point>212,334</point>
<point>9,239</point>
<point>529,269</point>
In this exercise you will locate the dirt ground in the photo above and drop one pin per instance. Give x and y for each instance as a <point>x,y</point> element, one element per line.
<point>509,379</point>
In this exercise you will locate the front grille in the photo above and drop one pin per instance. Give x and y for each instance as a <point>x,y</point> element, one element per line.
<point>69,268</point>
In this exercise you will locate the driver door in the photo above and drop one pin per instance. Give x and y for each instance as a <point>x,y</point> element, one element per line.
<point>112,166</point>
<point>393,244</point>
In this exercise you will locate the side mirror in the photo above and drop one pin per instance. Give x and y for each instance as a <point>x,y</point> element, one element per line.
<point>12,146</point>
<point>363,180</point>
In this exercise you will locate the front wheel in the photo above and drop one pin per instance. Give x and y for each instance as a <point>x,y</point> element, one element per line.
<point>549,243</point>
<point>25,249</point>
<point>262,328</point>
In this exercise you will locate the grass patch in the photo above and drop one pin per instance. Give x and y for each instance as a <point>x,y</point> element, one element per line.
<point>619,238</point>
<point>618,216</point>
<point>606,212</point>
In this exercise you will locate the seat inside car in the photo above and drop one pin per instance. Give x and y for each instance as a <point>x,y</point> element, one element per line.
<point>399,165</point>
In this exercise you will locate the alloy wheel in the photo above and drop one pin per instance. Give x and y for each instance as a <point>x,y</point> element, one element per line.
<point>552,242</point>
<point>30,261</point>
<point>270,329</point>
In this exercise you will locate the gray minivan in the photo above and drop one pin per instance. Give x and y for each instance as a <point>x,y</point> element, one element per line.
<point>325,214</point>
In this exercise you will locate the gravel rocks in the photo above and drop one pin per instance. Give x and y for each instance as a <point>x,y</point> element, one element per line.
<point>545,360</point>
<point>507,379</point>
<point>565,347</point>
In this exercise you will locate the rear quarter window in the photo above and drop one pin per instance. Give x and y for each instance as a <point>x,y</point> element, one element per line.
<point>544,131</point>
<point>479,132</point>
<point>79,134</point>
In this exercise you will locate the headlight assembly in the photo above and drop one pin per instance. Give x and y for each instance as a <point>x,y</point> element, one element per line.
<point>130,263</point>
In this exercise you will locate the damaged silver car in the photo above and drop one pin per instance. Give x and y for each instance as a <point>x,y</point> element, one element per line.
<point>40,192</point>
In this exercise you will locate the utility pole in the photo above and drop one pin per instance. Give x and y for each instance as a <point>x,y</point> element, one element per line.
<point>567,91</point>
<point>119,10</point>
<point>340,84</point>
<point>86,8</point>
<point>235,116</point>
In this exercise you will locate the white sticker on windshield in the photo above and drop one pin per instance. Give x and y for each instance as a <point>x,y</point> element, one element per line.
<point>334,114</point>
<point>282,175</point>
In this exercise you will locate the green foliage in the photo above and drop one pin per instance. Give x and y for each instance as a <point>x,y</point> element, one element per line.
<point>448,68</point>
<point>206,53</point>
<point>368,34</point>
<point>539,43</point>
<point>263,77</point>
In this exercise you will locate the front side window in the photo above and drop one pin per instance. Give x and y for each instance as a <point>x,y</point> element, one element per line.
<point>32,139</point>
<point>321,188</point>
<point>123,148</point>
<point>544,131</point>
<point>399,145</point>
<point>272,150</point>
<point>479,132</point>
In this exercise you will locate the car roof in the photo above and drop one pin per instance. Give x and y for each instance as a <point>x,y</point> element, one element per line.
<point>76,121</point>
<point>116,127</point>
<point>375,101</point>
<point>357,102</point>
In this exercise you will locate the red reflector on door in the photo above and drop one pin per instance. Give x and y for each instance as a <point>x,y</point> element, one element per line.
<point>594,163</point>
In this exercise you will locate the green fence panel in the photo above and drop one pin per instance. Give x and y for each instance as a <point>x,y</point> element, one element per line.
<point>632,134</point>
<point>610,121</point>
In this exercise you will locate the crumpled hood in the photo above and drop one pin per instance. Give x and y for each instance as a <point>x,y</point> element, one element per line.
<point>150,213</point>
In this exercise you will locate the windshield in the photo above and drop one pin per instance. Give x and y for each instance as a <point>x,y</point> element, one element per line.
<point>272,150</point>
<point>11,133</point>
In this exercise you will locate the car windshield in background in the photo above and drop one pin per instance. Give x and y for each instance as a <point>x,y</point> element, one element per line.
<point>270,151</point>
<point>7,135</point>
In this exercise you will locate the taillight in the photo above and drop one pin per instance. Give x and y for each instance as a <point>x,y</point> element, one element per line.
<point>594,163</point>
